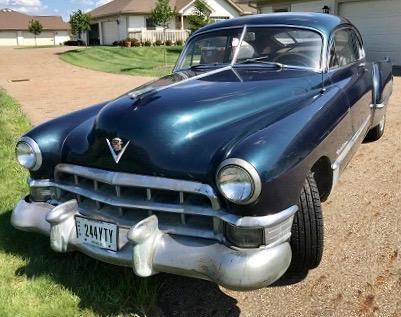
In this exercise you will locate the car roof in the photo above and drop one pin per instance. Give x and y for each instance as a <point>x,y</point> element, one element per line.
<point>324,23</point>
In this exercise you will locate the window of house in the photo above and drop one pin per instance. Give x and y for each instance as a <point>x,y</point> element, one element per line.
<point>281,9</point>
<point>218,19</point>
<point>150,24</point>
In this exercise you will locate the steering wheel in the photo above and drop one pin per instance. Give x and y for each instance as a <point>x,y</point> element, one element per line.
<point>295,59</point>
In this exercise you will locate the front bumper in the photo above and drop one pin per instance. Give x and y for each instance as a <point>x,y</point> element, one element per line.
<point>149,251</point>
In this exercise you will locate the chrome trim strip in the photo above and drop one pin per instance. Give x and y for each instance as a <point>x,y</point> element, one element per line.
<point>257,188</point>
<point>350,144</point>
<point>35,147</point>
<point>262,221</point>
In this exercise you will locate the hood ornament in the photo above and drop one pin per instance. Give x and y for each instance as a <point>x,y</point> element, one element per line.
<point>116,148</point>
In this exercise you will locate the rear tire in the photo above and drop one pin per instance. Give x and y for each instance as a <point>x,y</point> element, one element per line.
<point>376,132</point>
<point>307,231</point>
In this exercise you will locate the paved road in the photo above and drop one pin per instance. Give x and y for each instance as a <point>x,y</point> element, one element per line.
<point>361,270</point>
<point>55,87</point>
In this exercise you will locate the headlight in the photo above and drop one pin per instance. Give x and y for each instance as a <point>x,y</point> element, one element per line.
<point>238,181</point>
<point>28,154</point>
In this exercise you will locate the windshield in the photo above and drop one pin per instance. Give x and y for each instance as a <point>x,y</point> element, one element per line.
<point>280,46</point>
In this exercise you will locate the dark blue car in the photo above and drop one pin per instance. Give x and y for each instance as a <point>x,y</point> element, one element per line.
<point>218,170</point>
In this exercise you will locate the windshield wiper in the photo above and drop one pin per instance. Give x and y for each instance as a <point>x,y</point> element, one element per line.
<point>261,60</point>
<point>206,65</point>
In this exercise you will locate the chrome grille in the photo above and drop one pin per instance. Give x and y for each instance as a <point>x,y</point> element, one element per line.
<point>182,207</point>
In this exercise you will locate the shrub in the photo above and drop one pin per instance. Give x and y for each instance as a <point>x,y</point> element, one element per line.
<point>127,43</point>
<point>147,43</point>
<point>116,43</point>
<point>158,43</point>
<point>74,43</point>
<point>137,44</point>
<point>179,43</point>
<point>169,43</point>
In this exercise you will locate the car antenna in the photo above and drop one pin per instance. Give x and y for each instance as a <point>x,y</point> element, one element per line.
<point>323,89</point>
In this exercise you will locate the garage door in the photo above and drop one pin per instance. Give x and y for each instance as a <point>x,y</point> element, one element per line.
<point>110,32</point>
<point>380,25</point>
<point>44,38</point>
<point>8,39</point>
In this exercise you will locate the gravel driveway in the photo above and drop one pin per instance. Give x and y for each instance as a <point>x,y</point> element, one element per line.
<point>360,274</point>
<point>361,270</point>
<point>55,87</point>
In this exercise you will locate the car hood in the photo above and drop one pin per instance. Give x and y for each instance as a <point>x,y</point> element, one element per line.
<point>183,125</point>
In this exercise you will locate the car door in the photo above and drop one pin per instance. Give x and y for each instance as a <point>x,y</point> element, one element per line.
<point>349,70</point>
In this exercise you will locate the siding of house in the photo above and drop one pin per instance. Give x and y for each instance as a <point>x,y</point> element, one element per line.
<point>306,6</point>
<point>8,38</point>
<point>138,23</point>
<point>25,38</point>
<point>313,6</point>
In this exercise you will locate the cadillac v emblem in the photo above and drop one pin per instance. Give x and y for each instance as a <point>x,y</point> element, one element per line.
<point>116,148</point>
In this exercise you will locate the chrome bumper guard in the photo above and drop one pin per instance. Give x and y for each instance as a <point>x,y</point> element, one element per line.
<point>148,250</point>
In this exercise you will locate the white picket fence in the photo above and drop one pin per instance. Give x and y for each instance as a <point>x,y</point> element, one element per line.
<point>156,35</point>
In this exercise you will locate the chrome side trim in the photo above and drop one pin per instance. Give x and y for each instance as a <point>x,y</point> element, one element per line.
<point>35,147</point>
<point>251,171</point>
<point>377,106</point>
<point>350,144</point>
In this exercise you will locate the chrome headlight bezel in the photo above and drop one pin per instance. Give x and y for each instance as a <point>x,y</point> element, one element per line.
<point>253,176</point>
<point>34,148</point>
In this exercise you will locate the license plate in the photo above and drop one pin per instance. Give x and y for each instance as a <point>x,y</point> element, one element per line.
<point>97,233</point>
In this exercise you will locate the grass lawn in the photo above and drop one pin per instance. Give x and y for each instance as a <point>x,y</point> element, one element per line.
<point>148,61</point>
<point>35,281</point>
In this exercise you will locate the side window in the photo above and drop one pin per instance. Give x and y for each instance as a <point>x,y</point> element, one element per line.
<point>357,45</point>
<point>346,48</point>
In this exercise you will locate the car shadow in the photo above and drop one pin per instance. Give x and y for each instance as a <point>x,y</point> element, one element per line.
<point>108,290</point>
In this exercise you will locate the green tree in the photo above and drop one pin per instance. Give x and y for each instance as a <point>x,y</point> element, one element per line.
<point>80,23</point>
<point>35,28</point>
<point>161,16</point>
<point>201,16</point>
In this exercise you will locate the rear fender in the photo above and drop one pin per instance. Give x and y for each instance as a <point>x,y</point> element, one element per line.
<point>382,89</point>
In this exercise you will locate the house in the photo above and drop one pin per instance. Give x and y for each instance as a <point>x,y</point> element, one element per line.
<point>379,21</point>
<point>120,19</point>
<point>14,29</point>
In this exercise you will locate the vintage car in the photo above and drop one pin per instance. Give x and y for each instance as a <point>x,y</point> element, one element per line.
<point>216,171</point>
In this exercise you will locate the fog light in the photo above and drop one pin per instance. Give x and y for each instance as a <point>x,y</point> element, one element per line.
<point>244,237</point>
<point>42,194</point>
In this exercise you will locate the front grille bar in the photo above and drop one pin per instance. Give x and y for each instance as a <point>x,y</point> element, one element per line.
<point>141,181</point>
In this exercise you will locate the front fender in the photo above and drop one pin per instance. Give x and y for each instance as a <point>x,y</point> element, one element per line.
<point>50,137</point>
<point>285,152</point>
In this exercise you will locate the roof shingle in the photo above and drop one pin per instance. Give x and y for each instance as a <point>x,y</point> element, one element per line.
<point>146,6</point>
<point>13,20</point>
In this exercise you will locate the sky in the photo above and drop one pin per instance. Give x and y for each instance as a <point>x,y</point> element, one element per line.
<point>51,7</point>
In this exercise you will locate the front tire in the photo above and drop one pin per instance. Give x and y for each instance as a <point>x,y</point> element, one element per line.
<point>307,231</point>
<point>376,132</point>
